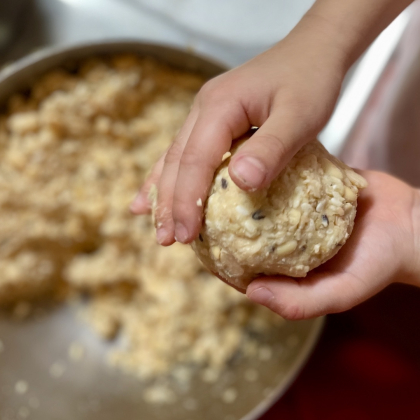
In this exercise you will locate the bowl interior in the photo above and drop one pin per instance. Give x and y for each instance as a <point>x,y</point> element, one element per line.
<point>34,352</point>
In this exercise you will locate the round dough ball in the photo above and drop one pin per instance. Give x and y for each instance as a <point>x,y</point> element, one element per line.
<point>300,221</point>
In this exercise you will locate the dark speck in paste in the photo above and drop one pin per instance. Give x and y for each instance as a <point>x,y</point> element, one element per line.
<point>258,215</point>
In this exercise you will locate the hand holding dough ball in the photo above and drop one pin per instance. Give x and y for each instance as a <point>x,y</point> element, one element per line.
<point>300,221</point>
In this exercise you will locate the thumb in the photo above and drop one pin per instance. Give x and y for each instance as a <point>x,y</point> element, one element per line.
<point>317,295</point>
<point>267,152</point>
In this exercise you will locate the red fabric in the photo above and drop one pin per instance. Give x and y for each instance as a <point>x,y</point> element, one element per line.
<point>365,367</point>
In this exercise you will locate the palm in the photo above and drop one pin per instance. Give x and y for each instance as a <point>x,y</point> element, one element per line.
<point>373,257</point>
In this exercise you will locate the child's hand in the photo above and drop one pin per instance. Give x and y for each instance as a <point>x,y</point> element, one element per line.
<point>289,92</point>
<point>384,248</point>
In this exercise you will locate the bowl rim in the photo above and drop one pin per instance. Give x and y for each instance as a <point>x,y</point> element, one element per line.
<point>20,74</point>
<point>295,369</point>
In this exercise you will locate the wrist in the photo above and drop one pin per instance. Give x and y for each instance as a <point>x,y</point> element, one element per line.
<point>351,26</point>
<point>314,37</point>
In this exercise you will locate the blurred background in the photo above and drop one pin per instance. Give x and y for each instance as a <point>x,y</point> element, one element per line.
<point>229,31</point>
<point>232,31</point>
<point>367,365</point>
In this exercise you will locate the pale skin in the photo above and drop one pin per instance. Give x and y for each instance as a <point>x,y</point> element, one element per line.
<point>383,249</point>
<point>290,92</point>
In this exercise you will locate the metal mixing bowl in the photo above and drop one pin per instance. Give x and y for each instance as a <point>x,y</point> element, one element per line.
<point>10,20</point>
<point>35,350</point>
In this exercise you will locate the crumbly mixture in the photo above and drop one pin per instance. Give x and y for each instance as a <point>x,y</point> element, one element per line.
<point>73,152</point>
<point>300,221</point>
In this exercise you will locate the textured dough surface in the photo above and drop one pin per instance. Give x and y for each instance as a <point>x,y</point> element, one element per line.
<point>73,151</point>
<point>300,221</point>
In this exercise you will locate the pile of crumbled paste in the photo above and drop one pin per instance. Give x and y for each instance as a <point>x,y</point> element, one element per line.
<point>74,150</point>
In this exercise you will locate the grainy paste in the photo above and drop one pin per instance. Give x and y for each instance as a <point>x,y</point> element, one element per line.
<point>73,152</point>
<point>300,221</point>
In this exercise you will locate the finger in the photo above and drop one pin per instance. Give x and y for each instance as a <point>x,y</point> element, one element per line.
<point>317,295</point>
<point>202,155</point>
<point>165,231</point>
<point>266,153</point>
<point>141,203</point>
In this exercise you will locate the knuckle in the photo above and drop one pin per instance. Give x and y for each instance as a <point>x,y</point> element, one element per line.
<point>290,311</point>
<point>173,154</point>
<point>210,91</point>
<point>154,175</point>
<point>192,157</point>
<point>271,140</point>
<point>179,208</point>
<point>182,212</point>
<point>144,190</point>
<point>163,212</point>
<point>273,145</point>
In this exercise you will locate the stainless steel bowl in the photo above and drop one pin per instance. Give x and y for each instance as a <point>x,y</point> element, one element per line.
<point>34,351</point>
<point>10,20</point>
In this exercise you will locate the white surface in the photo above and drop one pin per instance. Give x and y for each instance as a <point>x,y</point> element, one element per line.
<point>232,31</point>
<point>240,23</point>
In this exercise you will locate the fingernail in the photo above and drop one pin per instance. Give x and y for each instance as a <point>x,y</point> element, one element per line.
<point>262,295</point>
<point>181,233</point>
<point>250,171</point>
<point>161,235</point>
<point>139,203</point>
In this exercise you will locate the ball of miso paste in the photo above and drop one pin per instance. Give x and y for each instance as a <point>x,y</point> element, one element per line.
<point>300,221</point>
